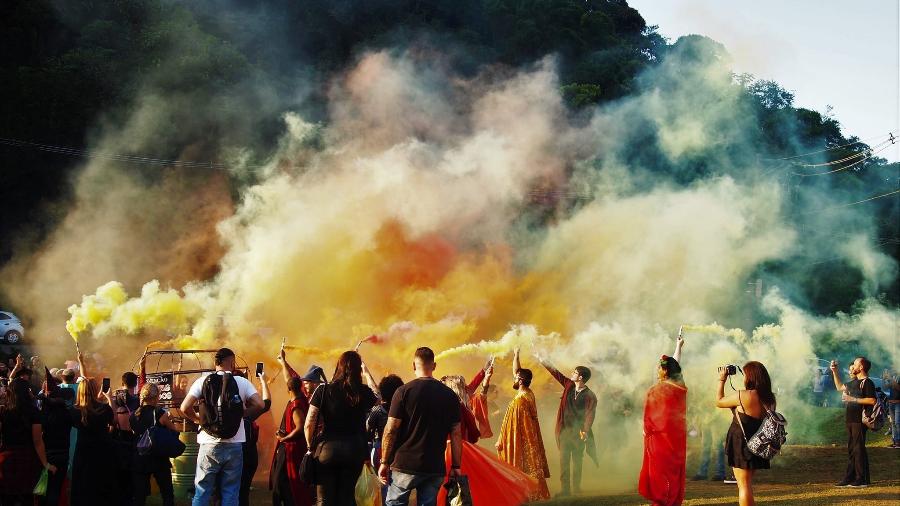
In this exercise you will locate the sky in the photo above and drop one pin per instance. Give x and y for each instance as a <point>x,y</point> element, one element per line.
<point>827,52</point>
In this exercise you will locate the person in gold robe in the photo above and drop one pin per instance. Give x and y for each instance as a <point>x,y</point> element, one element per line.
<point>520,443</point>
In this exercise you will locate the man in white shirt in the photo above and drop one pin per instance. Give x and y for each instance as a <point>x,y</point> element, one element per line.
<point>220,457</point>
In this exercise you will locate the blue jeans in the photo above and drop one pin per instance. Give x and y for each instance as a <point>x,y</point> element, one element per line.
<point>225,459</point>
<point>425,485</point>
<point>711,441</point>
<point>894,409</point>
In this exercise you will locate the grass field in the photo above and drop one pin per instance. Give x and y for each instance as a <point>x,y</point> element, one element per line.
<point>804,474</point>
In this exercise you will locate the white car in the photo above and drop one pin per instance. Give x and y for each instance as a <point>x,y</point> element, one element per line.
<point>11,329</point>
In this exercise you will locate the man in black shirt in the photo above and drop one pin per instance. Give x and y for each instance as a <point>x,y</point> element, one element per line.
<point>423,413</point>
<point>857,393</point>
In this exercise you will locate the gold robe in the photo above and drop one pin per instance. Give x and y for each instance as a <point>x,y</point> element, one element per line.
<point>521,444</point>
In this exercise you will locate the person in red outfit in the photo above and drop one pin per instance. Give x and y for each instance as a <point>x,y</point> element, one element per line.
<point>665,437</point>
<point>574,422</point>
<point>491,481</point>
<point>284,479</point>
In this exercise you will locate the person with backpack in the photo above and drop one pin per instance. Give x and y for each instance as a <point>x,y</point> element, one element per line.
<point>144,466</point>
<point>749,408</point>
<point>857,394</point>
<point>224,400</point>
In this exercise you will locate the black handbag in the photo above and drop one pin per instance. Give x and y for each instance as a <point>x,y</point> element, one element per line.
<point>310,463</point>
<point>458,493</point>
<point>159,441</point>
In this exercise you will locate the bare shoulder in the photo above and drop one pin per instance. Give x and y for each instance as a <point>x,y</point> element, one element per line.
<point>751,403</point>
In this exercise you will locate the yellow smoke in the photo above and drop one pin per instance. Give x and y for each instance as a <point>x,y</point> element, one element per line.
<point>520,336</point>
<point>95,309</point>
<point>714,328</point>
<point>110,311</point>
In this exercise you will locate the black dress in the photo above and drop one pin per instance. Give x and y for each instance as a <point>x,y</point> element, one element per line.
<point>94,464</point>
<point>736,446</point>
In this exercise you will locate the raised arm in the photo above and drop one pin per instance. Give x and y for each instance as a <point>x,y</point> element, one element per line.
<point>558,376</point>
<point>20,363</point>
<point>142,377</point>
<point>370,380</point>
<point>836,375</point>
<point>287,371</point>
<point>81,369</point>
<point>266,396</point>
<point>679,343</point>
<point>476,381</point>
<point>722,401</point>
<point>515,363</point>
<point>487,379</point>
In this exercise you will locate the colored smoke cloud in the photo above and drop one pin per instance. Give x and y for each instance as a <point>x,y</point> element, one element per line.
<point>437,210</point>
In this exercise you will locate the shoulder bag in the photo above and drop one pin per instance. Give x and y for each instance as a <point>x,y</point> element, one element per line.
<point>309,464</point>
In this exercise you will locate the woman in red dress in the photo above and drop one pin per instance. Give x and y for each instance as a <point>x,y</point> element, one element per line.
<point>665,437</point>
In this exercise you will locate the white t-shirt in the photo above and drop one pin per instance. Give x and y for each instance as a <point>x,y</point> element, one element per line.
<point>245,389</point>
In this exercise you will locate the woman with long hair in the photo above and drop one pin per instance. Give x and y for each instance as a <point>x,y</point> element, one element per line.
<point>749,407</point>
<point>144,466</point>
<point>21,446</point>
<point>93,465</point>
<point>341,407</point>
<point>665,436</point>
<point>491,480</point>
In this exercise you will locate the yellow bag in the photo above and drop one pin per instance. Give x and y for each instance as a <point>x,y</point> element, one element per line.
<point>368,488</point>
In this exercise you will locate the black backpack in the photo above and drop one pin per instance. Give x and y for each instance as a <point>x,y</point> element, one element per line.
<point>221,407</point>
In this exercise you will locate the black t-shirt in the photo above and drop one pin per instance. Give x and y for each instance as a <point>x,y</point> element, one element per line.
<point>428,410</point>
<point>338,417</point>
<point>16,430</point>
<point>858,388</point>
<point>57,421</point>
<point>376,421</point>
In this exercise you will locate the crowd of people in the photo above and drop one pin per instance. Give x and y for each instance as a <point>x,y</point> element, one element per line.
<point>416,436</point>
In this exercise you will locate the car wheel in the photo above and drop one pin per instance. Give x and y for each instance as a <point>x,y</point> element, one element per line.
<point>12,337</point>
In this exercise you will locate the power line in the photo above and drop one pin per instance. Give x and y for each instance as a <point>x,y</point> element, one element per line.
<point>869,155</point>
<point>855,203</point>
<point>889,134</point>
<point>847,158</point>
<point>107,155</point>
